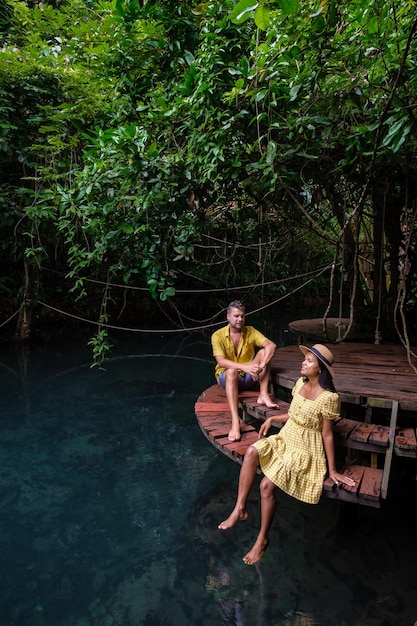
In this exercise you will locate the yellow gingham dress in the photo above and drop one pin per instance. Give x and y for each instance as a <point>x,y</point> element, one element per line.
<point>294,459</point>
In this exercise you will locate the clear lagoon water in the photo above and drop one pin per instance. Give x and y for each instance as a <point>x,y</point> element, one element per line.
<point>110,497</point>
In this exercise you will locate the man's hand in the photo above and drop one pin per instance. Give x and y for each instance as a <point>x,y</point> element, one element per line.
<point>254,369</point>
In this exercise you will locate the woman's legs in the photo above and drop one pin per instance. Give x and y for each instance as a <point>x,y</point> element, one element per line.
<point>268,506</point>
<point>246,478</point>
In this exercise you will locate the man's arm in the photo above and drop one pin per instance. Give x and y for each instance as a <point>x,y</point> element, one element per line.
<point>249,368</point>
<point>269,348</point>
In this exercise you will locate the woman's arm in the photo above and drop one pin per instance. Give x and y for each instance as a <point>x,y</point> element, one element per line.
<point>328,442</point>
<point>263,431</point>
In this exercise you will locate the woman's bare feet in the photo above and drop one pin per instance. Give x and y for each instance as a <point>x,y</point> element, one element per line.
<point>266,401</point>
<point>237,515</point>
<point>256,552</point>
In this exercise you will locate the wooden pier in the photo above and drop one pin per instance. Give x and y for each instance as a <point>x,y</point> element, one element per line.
<point>378,419</point>
<point>332,330</point>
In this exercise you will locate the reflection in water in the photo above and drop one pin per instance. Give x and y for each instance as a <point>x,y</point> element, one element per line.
<point>111,496</point>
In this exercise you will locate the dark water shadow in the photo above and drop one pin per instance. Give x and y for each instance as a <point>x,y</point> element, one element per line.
<point>110,498</point>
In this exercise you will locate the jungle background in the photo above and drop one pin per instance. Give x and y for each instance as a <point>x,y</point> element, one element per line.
<point>159,159</point>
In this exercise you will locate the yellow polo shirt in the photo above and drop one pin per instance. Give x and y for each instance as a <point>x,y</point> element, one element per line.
<point>223,345</point>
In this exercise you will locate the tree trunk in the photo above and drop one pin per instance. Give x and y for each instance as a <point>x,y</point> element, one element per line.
<point>24,322</point>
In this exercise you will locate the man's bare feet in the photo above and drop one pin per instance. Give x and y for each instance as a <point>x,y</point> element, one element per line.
<point>234,435</point>
<point>236,515</point>
<point>266,401</point>
<point>256,552</point>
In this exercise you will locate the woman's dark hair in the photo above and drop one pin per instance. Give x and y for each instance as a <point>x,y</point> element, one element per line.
<point>325,379</point>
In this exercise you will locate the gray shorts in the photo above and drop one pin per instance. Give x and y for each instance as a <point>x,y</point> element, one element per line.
<point>244,381</point>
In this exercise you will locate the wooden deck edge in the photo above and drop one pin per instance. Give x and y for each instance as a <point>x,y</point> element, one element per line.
<point>367,490</point>
<point>213,416</point>
<point>357,435</point>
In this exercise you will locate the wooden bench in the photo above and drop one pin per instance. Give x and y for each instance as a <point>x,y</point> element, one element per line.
<point>213,415</point>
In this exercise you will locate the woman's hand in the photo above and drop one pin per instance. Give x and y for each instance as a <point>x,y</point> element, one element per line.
<point>263,431</point>
<point>341,479</point>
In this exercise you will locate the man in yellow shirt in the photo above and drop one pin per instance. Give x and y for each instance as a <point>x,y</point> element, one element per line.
<point>239,364</point>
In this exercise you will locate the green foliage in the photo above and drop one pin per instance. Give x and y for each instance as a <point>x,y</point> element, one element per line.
<point>159,144</point>
<point>261,11</point>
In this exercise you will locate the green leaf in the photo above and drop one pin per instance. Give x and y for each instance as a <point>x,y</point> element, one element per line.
<point>120,8</point>
<point>242,11</point>
<point>167,293</point>
<point>397,133</point>
<point>127,228</point>
<point>373,26</point>
<point>271,152</point>
<point>294,92</point>
<point>262,17</point>
<point>189,57</point>
<point>289,7</point>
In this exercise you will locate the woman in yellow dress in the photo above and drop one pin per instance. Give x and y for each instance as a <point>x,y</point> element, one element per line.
<point>297,458</point>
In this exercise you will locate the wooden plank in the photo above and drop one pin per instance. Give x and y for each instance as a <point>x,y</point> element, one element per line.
<point>390,449</point>
<point>406,438</point>
<point>344,427</point>
<point>353,471</point>
<point>331,329</point>
<point>361,432</point>
<point>211,406</point>
<point>262,412</point>
<point>218,417</point>
<point>223,431</point>
<point>365,492</point>
<point>356,472</point>
<point>240,451</point>
<point>213,415</point>
<point>370,487</point>
<point>220,432</point>
<point>249,394</point>
<point>349,398</point>
<point>214,426</point>
<point>379,435</point>
<point>246,439</point>
<point>345,492</point>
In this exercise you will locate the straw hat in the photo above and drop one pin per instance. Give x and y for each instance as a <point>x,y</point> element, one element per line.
<point>322,353</point>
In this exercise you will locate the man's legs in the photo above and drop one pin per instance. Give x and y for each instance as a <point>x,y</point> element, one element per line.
<point>263,397</point>
<point>231,378</point>
<point>231,384</point>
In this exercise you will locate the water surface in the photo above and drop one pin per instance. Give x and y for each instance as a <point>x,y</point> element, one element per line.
<point>110,498</point>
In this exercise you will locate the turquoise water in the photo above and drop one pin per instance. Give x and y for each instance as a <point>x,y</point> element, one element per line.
<point>110,496</point>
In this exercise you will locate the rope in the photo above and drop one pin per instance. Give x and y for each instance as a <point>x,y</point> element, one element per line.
<point>11,317</point>
<point>404,267</point>
<point>190,291</point>
<point>378,334</point>
<point>176,330</point>
<point>342,271</point>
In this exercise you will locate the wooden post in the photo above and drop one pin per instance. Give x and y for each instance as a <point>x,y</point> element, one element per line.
<point>390,449</point>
